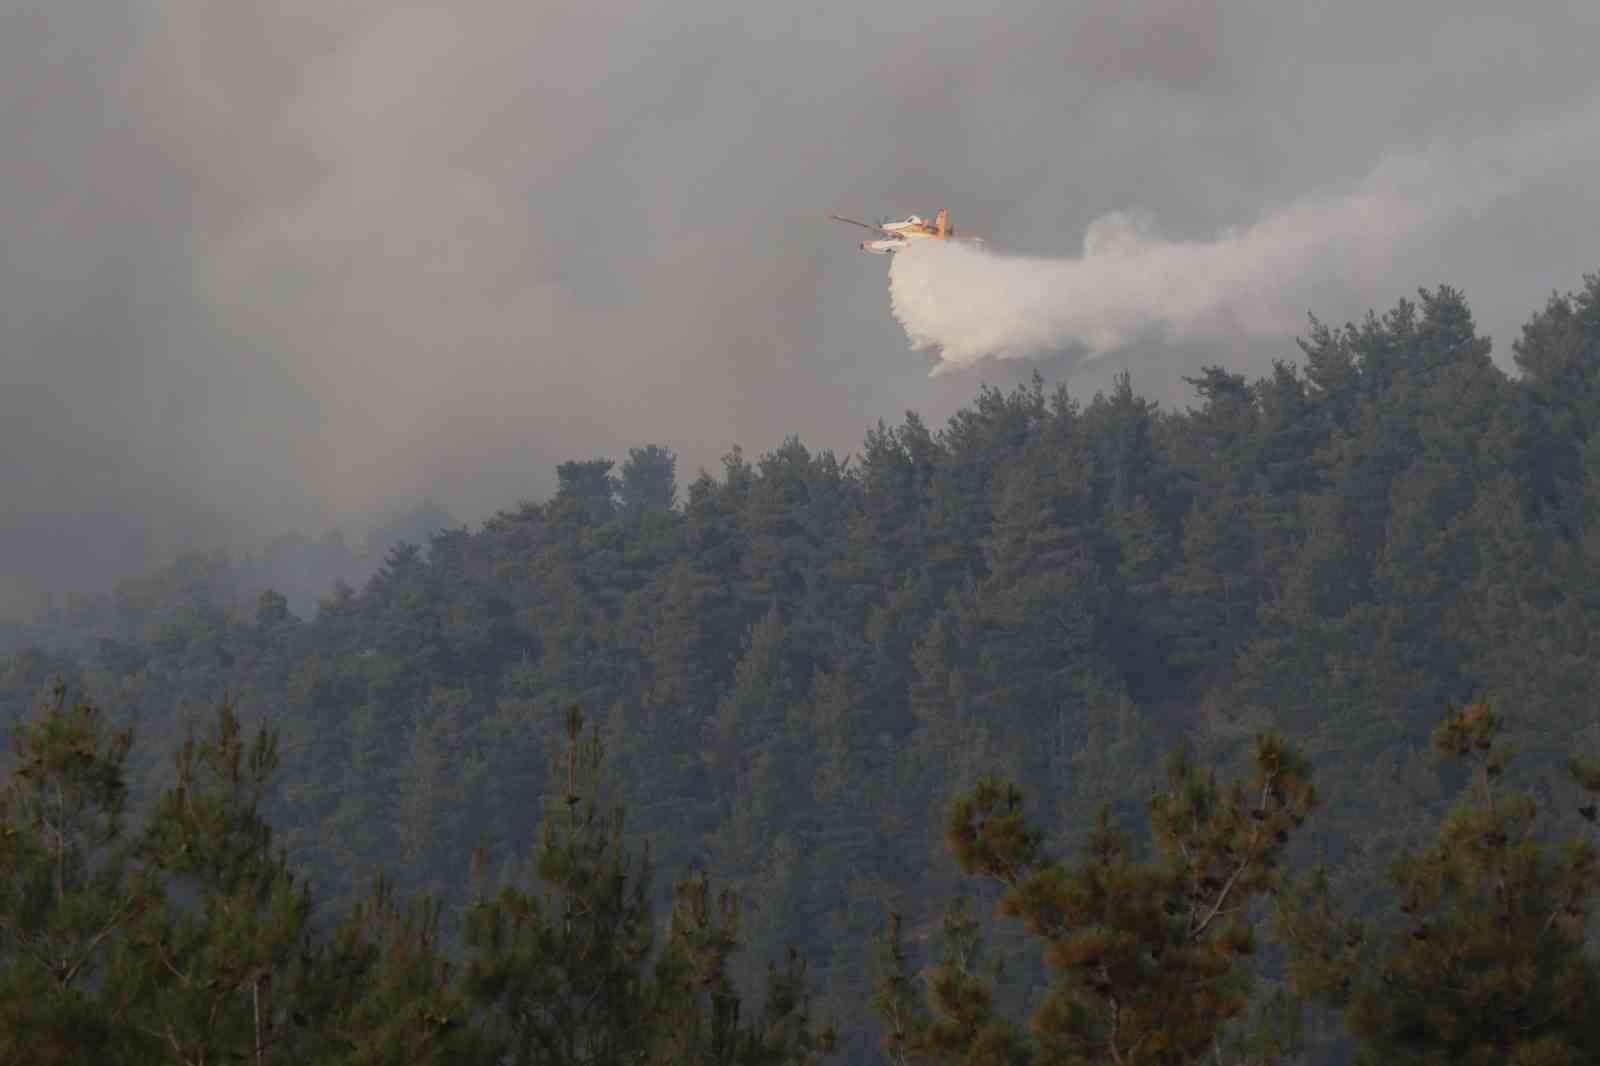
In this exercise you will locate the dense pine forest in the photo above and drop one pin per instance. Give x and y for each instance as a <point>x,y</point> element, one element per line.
<point>1074,731</point>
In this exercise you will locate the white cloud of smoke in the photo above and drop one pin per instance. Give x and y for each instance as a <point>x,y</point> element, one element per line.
<point>968,303</point>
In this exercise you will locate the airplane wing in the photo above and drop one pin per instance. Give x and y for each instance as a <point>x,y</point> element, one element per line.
<point>863,225</point>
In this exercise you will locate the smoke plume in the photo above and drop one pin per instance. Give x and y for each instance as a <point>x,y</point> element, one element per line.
<point>967,303</point>
<point>279,266</point>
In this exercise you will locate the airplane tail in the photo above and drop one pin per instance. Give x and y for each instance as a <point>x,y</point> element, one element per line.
<point>939,223</point>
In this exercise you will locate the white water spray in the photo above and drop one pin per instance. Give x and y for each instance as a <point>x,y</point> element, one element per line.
<point>967,303</point>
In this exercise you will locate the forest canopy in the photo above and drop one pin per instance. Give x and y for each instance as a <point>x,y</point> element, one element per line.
<point>797,661</point>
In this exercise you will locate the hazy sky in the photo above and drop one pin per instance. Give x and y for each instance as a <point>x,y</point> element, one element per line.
<point>270,265</point>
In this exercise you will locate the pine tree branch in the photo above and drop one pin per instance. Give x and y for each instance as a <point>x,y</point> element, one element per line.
<point>1116,1021</point>
<point>43,960</point>
<point>1222,898</point>
<point>95,941</point>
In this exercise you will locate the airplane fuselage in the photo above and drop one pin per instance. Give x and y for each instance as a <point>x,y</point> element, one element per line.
<point>896,236</point>
<point>899,234</point>
<point>886,246</point>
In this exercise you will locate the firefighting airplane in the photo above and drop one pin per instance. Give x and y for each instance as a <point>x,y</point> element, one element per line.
<point>898,235</point>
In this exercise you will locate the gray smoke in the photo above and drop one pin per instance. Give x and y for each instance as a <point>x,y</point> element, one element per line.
<point>278,266</point>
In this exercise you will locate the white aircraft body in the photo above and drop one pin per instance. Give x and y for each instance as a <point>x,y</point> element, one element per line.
<point>896,236</point>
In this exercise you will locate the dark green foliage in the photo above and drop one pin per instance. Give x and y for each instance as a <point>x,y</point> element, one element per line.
<point>589,488</point>
<point>68,891</point>
<point>194,942</point>
<point>802,661</point>
<point>1559,356</point>
<point>385,991</point>
<point>216,961</point>
<point>955,1021</point>
<point>1486,960</point>
<point>566,970</point>
<point>560,964</point>
<point>648,484</point>
<point>1147,960</point>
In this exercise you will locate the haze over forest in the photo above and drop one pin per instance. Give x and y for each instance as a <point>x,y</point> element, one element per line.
<point>275,268</point>
<point>453,471</point>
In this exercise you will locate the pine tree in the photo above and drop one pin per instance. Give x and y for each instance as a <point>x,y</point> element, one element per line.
<point>587,490</point>
<point>566,971</point>
<point>648,484</point>
<point>1149,960</point>
<point>67,890</point>
<point>219,965</point>
<point>1487,962</point>
<point>1559,356</point>
<point>384,990</point>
